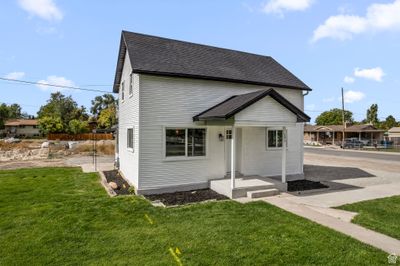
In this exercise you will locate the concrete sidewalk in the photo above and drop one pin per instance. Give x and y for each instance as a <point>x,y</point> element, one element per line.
<point>338,198</point>
<point>337,220</point>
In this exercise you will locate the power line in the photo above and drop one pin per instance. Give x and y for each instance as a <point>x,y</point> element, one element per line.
<point>54,85</point>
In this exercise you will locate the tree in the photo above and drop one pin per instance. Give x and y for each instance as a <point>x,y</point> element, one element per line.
<point>101,103</point>
<point>64,108</point>
<point>77,127</point>
<point>389,122</point>
<point>48,124</point>
<point>15,111</point>
<point>334,117</point>
<point>12,111</point>
<point>372,115</point>
<point>107,117</point>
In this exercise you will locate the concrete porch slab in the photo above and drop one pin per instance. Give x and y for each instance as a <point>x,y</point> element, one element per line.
<point>242,186</point>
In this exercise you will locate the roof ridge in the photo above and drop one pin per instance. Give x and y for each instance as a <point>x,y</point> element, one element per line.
<point>200,44</point>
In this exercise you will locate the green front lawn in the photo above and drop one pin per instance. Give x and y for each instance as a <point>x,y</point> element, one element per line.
<point>381,215</point>
<point>63,216</point>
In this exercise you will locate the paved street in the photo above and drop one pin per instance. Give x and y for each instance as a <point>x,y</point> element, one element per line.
<point>387,156</point>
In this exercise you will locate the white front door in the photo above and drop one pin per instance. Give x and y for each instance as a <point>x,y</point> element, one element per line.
<point>228,147</point>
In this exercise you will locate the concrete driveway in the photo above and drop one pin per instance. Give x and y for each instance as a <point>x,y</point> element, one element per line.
<point>350,178</point>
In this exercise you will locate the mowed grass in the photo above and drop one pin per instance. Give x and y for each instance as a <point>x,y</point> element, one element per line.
<point>63,216</point>
<point>381,215</point>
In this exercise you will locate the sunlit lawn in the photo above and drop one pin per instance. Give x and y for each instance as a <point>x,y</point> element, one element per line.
<point>63,216</point>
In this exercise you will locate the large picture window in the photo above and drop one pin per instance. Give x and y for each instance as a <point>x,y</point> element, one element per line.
<point>188,142</point>
<point>274,138</point>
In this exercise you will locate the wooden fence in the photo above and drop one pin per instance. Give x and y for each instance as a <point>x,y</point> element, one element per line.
<point>87,136</point>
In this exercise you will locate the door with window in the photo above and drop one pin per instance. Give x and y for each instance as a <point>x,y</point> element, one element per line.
<point>228,148</point>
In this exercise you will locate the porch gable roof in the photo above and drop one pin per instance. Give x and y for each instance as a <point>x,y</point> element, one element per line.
<point>237,103</point>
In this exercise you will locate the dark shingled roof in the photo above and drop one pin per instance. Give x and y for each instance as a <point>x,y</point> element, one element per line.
<point>167,57</point>
<point>237,103</point>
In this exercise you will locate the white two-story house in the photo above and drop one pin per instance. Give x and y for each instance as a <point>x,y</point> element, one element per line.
<point>192,113</point>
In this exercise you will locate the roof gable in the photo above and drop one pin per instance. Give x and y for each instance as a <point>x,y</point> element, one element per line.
<point>167,57</point>
<point>237,103</point>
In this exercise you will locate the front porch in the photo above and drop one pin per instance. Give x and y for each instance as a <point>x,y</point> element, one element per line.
<point>248,186</point>
<point>256,142</point>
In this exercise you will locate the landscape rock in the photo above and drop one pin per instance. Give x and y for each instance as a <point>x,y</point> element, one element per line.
<point>113,185</point>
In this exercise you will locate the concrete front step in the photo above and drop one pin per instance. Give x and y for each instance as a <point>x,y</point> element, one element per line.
<point>262,193</point>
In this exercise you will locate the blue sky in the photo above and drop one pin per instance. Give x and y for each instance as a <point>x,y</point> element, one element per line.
<point>327,44</point>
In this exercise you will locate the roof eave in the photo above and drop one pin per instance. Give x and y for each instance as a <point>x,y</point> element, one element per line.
<point>185,75</point>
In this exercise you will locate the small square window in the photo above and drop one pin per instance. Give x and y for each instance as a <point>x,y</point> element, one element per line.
<point>274,138</point>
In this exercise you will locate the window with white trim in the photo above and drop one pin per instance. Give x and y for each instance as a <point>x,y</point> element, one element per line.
<point>131,84</point>
<point>185,142</point>
<point>123,91</point>
<point>228,134</point>
<point>273,138</point>
<point>129,138</point>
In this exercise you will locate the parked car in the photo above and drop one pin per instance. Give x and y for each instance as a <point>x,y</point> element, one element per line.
<point>352,144</point>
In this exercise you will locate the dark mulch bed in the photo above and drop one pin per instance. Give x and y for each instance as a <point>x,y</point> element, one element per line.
<point>123,186</point>
<point>302,185</point>
<point>184,197</point>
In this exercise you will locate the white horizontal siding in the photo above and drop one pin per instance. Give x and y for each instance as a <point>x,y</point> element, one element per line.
<point>168,102</point>
<point>266,110</point>
<point>258,160</point>
<point>128,117</point>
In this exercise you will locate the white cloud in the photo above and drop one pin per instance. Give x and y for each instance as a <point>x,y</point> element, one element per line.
<point>328,100</point>
<point>55,80</point>
<point>45,9</point>
<point>310,107</point>
<point>280,6</point>
<point>369,73</point>
<point>348,79</point>
<point>379,17</point>
<point>353,96</point>
<point>15,75</point>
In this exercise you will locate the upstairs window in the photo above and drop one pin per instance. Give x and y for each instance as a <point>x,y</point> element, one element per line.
<point>123,91</point>
<point>131,84</point>
<point>274,138</point>
<point>185,142</point>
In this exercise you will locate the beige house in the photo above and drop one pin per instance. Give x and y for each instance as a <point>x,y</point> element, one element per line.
<point>21,128</point>
<point>333,134</point>
<point>394,135</point>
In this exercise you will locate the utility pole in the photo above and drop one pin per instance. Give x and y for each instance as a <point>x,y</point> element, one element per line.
<point>343,119</point>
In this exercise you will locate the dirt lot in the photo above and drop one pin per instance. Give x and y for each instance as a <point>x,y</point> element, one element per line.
<point>31,153</point>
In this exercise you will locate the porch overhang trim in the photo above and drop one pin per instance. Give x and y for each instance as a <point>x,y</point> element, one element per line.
<point>234,104</point>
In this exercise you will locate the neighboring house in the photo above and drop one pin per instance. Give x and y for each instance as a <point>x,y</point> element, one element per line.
<point>394,135</point>
<point>333,134</point>
<point>21,128</point>
<point>191,113</point>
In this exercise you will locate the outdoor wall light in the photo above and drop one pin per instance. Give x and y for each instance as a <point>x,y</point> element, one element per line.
<point>220,137</point>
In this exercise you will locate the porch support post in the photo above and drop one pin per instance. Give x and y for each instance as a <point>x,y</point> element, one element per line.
<point>284,137</point>
<point>359,136</point>
<point>333,138</point>
<point>233,157</point>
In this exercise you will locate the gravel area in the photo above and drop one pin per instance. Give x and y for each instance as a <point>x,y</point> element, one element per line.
<point>185,197</point>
